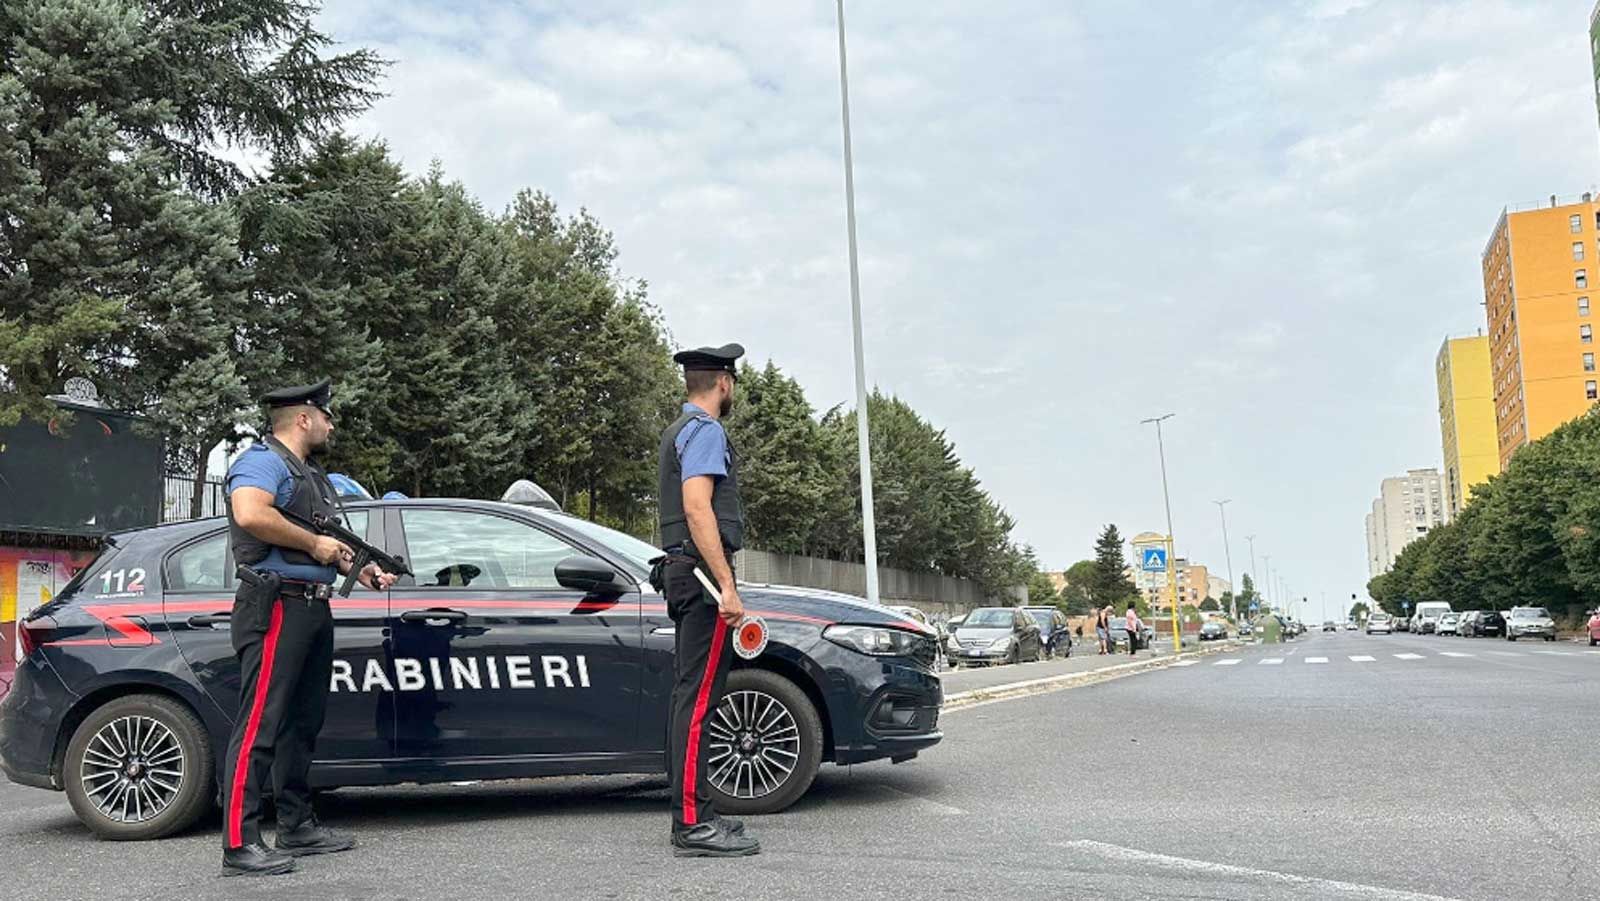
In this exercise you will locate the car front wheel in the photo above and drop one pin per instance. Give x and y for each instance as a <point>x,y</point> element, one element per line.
<point>765,744</point>
<point>139,767</point>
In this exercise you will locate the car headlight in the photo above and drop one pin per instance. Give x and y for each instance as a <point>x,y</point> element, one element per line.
<point>1001,643</point>
<point>871,640</point>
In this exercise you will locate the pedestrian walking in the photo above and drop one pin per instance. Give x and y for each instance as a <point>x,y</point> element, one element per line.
<point>282,632</point>
<point>702,524</point>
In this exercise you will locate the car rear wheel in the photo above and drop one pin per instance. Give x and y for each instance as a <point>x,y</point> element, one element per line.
<point>139,767</point>
<point>765,744</point>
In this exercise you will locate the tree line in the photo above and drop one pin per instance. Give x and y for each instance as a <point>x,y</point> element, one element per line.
<point>1529,536</point>
<point>469,347</point>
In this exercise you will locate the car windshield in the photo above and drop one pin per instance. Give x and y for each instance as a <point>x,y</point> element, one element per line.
<point>1042,617</point>
<point>990,618</point>
<point>1530,613</point>
<point>621,543</point>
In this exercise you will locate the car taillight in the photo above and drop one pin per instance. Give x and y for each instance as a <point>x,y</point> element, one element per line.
<point>34,632</point>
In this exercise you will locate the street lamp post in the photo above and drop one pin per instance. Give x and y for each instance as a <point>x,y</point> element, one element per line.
<point>869,534</point>
<point>1227,553</point>
<point>1172,571</point>
<point>1255,577</point>
<point>1266,563</point>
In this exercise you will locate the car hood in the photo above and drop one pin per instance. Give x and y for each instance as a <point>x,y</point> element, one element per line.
<point>982,632</point>
<point>827,607</point>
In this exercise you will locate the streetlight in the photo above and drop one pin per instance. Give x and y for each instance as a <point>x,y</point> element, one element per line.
<point>869,532</point>
<point>1255,577</point>
<point>1266,563</point>
<point>1172,571</point>
<point>1228,554</point>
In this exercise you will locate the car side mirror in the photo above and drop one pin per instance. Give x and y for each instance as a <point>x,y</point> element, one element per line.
<point>588,574</point>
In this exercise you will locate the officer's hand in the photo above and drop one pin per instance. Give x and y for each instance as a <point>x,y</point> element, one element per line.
<point>329,551</point>
<point>731,608</point>
<point>375,578</point>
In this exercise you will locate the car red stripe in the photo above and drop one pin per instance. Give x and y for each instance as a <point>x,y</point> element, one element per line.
<point>692,756</point>
<point>241,767</point>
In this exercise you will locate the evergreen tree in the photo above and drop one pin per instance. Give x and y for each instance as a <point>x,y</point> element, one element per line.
<point>784,474</point>
<point>1111,584</point>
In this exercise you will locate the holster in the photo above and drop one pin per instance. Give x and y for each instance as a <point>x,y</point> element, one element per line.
<point>258,591</point>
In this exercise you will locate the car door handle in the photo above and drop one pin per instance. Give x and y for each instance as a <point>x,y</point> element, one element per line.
<point>210,619</point>
<point>434,614</point>
<point>664,630</point>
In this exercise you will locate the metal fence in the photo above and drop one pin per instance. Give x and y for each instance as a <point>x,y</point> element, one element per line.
<point>932,592</point>
<point>178,494</point>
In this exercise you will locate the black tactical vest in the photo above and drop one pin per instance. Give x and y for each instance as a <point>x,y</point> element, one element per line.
<point>313,493</point>
<point>725,501</point>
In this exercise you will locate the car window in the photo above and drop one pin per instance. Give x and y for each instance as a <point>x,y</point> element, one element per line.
<point>457,548</point>
<point>201,565</point>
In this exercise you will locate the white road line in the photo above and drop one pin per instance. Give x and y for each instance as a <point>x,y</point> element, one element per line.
<point>1270,661</point>
<point>1409,656</point>
<point>1453,654</point>
<point>1186,663</point>
<point>1553,653</point>
<point>1509,653</point>
<point>1329,887</point>
<point>1592,652</point>
<point>1361,658</point>
<point>1316,660</point>
<point>1227,662</point>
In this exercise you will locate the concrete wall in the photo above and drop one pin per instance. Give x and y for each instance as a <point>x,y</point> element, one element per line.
<point>930,591</point>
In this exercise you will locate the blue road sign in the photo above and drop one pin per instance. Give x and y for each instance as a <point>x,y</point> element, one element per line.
<point>1405,605</point>
<point>1254,607</point>
<point>1155,560</point>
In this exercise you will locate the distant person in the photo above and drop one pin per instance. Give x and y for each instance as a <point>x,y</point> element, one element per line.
<point>1135,629</point>
<point>1102,628</point>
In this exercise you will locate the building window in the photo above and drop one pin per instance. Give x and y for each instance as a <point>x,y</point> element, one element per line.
<point>1588,362</point>
<point>1577,250</point>
<point>1591,391</point>
<point>1583,306</point>
<point>1575,222</point>
<point>1586,334</point>
<point>1581,278</point>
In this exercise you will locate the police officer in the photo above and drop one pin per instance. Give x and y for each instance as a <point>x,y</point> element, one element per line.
<point>282,633</point>
<point>702,524</point>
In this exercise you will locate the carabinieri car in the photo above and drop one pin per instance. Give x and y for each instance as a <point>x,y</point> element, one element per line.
<point>528,644</point>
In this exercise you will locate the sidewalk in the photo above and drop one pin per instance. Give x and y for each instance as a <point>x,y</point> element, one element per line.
<point>970,685</point>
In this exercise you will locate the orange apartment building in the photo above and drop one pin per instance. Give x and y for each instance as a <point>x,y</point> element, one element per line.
<point>1541,269</point>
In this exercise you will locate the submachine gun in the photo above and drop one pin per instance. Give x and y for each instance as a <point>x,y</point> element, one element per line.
<point>365,553</point>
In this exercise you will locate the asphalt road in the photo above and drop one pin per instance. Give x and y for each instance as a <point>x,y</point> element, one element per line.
<point>1338,766</point>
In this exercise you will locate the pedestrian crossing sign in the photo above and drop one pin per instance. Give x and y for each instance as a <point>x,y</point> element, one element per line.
<point>1155,560</point>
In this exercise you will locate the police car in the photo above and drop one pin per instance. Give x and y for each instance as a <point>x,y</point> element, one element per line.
<point>529,643</point>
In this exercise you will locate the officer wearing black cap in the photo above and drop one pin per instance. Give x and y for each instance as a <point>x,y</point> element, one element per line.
<point>282,633</point>
<point>702,524</point>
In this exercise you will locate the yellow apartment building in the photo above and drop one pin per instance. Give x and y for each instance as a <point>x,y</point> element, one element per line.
<point>1540,270</point>
<point>1466,418</point>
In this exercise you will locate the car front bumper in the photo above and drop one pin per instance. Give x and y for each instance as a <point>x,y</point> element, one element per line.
<point>1533,632</point>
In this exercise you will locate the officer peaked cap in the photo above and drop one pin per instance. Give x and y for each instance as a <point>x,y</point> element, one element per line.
<point>713,359</point>
<point>318,395</point>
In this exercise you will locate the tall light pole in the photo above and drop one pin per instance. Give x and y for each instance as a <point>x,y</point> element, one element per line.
<point>1172,570</point>
<point>1255,577</point>
<point>1266,563</point>
<point>869,532</point>
<point>1233,590</point>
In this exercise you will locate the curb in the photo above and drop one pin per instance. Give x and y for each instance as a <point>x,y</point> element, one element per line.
<point>1045,684</point>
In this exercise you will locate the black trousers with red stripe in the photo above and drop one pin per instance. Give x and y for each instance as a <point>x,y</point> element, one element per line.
<point>285,650</point>
<point>703,657</point>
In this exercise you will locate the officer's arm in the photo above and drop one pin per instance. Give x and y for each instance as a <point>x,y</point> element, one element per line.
<point>703,529</point>
<point>254,512</point>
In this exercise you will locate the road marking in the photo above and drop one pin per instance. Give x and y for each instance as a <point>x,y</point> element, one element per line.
<point>1186,663</point>
<point>1553,653</point>
<point>1409,656</point>
<point>1227,662</point>
<point>1188,865</point>
<point>1361,658</point>
<point>1509,653</point>
<point>1453,654</point>
<point>1316,660</point>
<point>1270,661</point>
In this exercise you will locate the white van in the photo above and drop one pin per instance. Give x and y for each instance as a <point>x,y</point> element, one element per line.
<point>1426,617</point>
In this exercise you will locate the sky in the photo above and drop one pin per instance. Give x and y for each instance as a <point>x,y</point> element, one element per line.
<point>1263,217</point>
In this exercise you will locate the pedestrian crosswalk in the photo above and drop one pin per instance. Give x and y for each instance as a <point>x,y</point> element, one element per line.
<point>1369,658</point>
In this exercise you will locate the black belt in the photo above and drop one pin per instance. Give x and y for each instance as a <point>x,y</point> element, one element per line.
<point>311,591</point>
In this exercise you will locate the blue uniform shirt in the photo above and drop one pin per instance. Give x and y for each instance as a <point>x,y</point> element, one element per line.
<point>260,467</point>
<point>702,446</point>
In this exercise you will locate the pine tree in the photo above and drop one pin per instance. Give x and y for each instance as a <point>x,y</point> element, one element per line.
<point>1111,583</point>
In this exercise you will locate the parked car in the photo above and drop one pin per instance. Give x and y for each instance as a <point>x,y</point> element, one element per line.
<point>1464,626</point>
<point>1488,622</point>
<point>1380,622</point>
<point>1402,624</point>
<point>548,650</point>
<point>1350,625</point>
<point>1213,630</point>
<point>1246,629</point>
<point>991,635</point>
<point>1530,622</point>
<point>915,614</point>
<point>1447,623</point>
<point>1425,619</point>
<point>1053,630</point>
<point>1119,633</point>
<point>1330,626</point>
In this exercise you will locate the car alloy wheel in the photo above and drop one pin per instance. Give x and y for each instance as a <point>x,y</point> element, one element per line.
<point>764,743</point>
<point>139,767</point>
<point>133,769</point>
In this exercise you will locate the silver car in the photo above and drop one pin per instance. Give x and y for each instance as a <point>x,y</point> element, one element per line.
<point>997,635</point>
<point>1380,622</point>
<point>1530,622</point>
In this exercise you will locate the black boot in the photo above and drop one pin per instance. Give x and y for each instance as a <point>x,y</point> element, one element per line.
<point>312,837</point>
<point>255,860</point>
<point>711,839</point>
<point>730,825</point>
